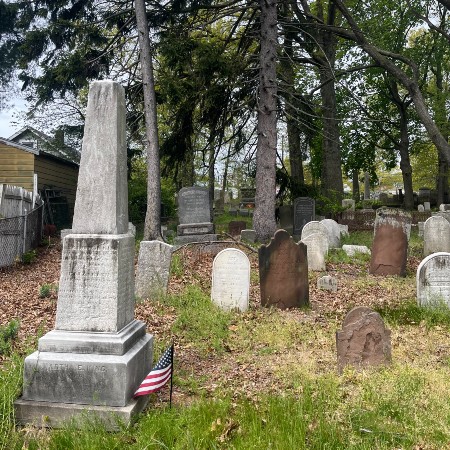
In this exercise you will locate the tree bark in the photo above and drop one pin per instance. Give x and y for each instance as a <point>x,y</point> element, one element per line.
<point>264,216</point>
<point>355,187</point>
<point>405,163</point>
<point>152,227</point>
<point>332,184</point>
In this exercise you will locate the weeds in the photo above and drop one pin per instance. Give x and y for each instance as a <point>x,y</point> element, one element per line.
<point>46,290</point>
<point>7,334</point>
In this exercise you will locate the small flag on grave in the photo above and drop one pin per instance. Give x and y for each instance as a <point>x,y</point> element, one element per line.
<point>158,376</point>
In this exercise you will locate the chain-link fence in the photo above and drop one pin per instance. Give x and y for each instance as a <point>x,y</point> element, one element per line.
<point>19,235</point>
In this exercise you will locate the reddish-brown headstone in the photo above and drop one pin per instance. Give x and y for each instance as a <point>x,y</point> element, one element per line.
<point>390,242</point>
<point>283,272</point>
<point>236,226</point>
<point>364,340</point>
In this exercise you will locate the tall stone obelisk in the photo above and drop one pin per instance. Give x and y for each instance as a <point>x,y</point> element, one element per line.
<point>98,354</point>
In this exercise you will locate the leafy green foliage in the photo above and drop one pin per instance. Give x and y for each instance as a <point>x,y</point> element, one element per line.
<point>29,257</point>
<point>8,333</point>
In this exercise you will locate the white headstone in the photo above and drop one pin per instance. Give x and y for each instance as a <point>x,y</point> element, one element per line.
<point>334,232</point>
<point>231,280</point>
<point>436,235</point>
<point>344,230</point>
<point>352,249</point>
<point>328,283</point>
<point>433,280</point>
<point>313,227</point>
<point>153,269</point>
<point>444,207</point>
<point>427,206</point>
<point>420,208</point>
<point>317,249</point>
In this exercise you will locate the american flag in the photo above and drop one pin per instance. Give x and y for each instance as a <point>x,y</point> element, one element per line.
<point>158,376</point>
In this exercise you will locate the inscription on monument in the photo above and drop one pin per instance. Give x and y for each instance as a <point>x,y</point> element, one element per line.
<point>304,212</point>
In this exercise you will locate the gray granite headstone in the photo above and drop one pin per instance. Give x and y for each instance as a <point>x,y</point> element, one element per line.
<point>363,341</point>
<point>436,235</point>
<point>444,207</point>
<point>328,283</point>
<point>231,280</point>
<point>194,215</point>
<point>248,235</point>
<point>427,206</point>
<point>433,280</point>
<point>304,212</point>
<point>420,208</point>
<point>98,353</point>
<point>317,246</point>
<point>420,228</point>
<point>153,269</point>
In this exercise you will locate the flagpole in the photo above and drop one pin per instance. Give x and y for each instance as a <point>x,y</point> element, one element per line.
<point>171,381</point>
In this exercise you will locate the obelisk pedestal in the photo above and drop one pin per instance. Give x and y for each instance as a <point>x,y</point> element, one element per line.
<point>98,354</point>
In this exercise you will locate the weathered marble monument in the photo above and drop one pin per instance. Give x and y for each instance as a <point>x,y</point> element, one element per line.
<point>98,354</point>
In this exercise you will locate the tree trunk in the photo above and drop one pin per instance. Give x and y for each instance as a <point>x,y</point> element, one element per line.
<point>264,216</point>
<point>405,164</point>
<point>355,180</point>
<point>152,227</point>
<point>211,164</point>
<point>332,184</point>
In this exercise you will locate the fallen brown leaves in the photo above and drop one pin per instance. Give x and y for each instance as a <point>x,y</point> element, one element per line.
<point>244,368</point>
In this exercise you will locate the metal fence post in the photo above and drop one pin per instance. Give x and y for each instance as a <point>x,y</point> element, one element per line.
<point>25,217</point>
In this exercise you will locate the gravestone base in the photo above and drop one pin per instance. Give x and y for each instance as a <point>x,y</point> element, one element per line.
<point>87,378</point>
<point>57,415</point>
<point>180,240</point>
<point>195,228</point>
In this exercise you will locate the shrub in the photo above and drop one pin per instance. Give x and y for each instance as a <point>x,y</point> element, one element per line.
<point>7,334</point>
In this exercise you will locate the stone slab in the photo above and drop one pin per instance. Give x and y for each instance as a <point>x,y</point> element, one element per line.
<point>194,205</point>
<point>181,240</point>
<point>101,205</point>
<point>195,228</point>
<point>433,280</point>
<point>236,226</point>
<point>351,250</point>
<point>248,235</point>
<point>90,379</point>
<point>59,415</point>
<point>334,232</point>
<point>96,288</point>
<point>436,235</point>
<point>328,283</point>
<point>231,280</point>
<point>317,246</point>
<point>153,269</point>
<point>60,341</point>
<point>304,212</point>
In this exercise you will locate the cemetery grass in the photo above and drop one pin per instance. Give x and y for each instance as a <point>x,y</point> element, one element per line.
<point>260,379</point>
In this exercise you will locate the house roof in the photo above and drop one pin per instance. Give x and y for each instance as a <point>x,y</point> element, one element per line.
<point>47,145</point>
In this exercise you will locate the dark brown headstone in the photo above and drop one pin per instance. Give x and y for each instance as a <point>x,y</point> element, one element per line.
<point>236,226</point>
<point>364,340</point>
<point>390,242</point>
<point>283,272</point>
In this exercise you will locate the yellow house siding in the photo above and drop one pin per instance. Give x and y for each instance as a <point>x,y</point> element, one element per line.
<point>57,175</point>
<point>16,167</point>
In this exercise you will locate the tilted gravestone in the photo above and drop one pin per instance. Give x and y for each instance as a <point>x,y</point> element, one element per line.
<point>390,242</point>
<point>153,269</point>
<point>194,215</point>
<point>317,250</point>
<point>328,283</point>
<point>436,235</point>
<point>304,212</point>
<point>364,340</point>
<point>351,250</point>
<point>231,280</point>
<point>98,353</point>
<point>433,280</point>
<point>334,232</point>
<point>283,272</point>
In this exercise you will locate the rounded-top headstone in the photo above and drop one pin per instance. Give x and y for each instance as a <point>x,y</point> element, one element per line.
<point>334,232</point>
<point>436,235</point>
<point>314,227</point>
<point>433,280</point>
<point>231,280</point>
